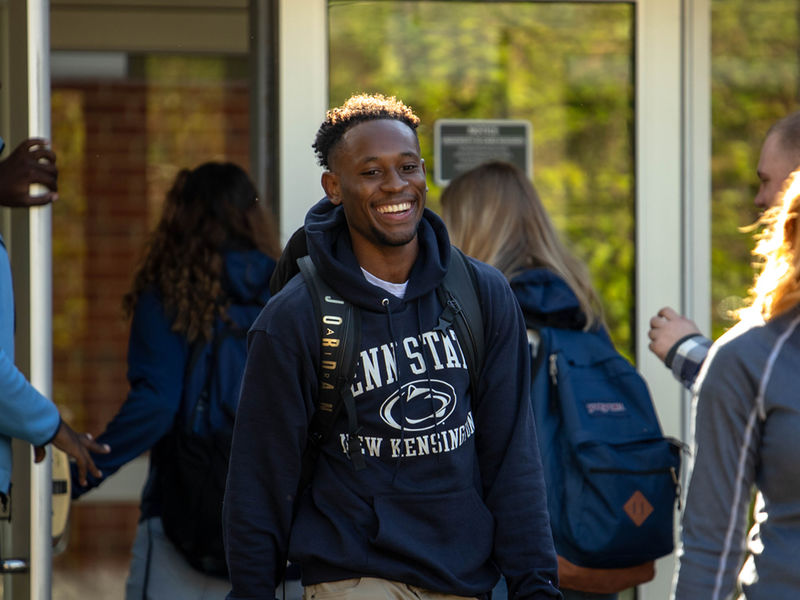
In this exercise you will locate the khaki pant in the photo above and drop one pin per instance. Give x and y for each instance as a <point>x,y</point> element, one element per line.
<point>371,588</point>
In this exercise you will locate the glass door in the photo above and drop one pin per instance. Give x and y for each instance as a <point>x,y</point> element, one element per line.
<point>567,69</point>
<point>616,95</point>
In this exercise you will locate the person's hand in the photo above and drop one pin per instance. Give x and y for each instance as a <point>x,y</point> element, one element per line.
<point>30,162</point>
<point>666,328</point>
<point>78,447</point>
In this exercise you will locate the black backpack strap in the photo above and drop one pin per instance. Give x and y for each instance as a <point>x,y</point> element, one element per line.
<point>458,293</point>
<point>340,329</point>
<point>196,350</point>
<point>286,267</point>
<point>228,330</point>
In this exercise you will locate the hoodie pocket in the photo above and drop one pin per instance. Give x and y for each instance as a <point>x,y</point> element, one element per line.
<point>450,533</point>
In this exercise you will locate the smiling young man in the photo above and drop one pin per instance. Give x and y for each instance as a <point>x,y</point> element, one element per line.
<point>451,490</point>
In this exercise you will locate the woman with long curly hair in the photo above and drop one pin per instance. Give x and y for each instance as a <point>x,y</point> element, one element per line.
<point>205,274</point>
<point>747,434</point>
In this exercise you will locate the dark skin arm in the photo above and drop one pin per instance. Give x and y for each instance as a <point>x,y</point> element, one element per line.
<point>78,447</point>
<point>33,162</point>
<point>30,162</point>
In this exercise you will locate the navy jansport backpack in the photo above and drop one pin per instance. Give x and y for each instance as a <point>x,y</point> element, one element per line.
<point>612,476</point>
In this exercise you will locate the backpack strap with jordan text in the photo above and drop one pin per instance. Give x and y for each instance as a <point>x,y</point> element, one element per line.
<point>340,328</point>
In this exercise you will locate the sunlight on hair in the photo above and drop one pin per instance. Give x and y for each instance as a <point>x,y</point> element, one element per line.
<point>777,287</point>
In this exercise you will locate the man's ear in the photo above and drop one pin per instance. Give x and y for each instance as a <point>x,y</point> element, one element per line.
<point>422,162</point>
<point>330,183</point>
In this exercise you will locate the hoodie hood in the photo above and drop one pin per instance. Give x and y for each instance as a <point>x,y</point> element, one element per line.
<point>546,299</point>
<point>246,275</point>
<point>330,248</point>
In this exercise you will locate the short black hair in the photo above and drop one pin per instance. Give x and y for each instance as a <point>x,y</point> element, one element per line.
<point>358,109</point>
<point>788,130</point>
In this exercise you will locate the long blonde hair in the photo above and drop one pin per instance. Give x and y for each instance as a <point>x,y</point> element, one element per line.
<point>494,214</point>
<point>776,288</point>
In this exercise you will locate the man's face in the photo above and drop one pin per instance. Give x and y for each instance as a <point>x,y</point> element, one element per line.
<point>774,166</point>
<point>379,178</point>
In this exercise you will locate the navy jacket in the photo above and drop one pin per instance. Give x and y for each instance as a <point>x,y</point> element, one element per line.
<point>546,299</point>
<point>157,358</point>
<point>452,490</point>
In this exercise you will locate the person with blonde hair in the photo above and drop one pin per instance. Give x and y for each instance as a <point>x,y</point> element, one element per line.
<point>675,339</point>
<point>493,213</point>
<point>747,418</point>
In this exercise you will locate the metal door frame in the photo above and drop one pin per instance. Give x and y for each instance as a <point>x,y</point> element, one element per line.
<point>25,25</point>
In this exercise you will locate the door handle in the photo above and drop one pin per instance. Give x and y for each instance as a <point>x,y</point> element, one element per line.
<point>13,565</point>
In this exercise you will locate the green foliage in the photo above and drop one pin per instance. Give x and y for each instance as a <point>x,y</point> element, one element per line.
<point>566,68</point>
<point>754,83</point>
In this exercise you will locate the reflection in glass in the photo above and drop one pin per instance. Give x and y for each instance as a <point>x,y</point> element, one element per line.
<point>565,68</point>
<point>121,136</point>
<point>755,80</point>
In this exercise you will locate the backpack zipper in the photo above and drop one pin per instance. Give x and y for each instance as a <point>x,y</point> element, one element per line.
<point>677,483</point>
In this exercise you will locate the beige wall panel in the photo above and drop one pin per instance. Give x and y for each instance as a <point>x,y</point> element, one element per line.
<point>148,29</point>
<point>242,4</point>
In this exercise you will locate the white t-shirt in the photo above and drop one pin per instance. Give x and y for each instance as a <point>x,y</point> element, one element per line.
<point>395,289</point>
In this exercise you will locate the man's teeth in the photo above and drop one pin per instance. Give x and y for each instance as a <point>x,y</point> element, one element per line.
<point>394,208</point>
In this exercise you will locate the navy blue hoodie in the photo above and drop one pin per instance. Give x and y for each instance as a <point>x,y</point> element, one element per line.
<point>157,358</point>
<point>547,299</point>
<point>452,490</point>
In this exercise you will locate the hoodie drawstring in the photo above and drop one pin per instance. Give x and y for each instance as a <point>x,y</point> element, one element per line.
<point>403,398</point>
<point>430,388</point>
<point>387,305</point>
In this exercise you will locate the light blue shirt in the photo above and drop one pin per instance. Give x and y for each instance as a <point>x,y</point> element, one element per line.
<point>24,412</point>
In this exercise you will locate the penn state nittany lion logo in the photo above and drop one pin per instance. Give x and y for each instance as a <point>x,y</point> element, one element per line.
<point>429,402</point>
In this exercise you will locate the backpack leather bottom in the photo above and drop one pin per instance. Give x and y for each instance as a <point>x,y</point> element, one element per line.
<point>603,581</point>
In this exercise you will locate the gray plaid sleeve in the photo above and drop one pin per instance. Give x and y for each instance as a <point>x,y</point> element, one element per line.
<point>688,358</point>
